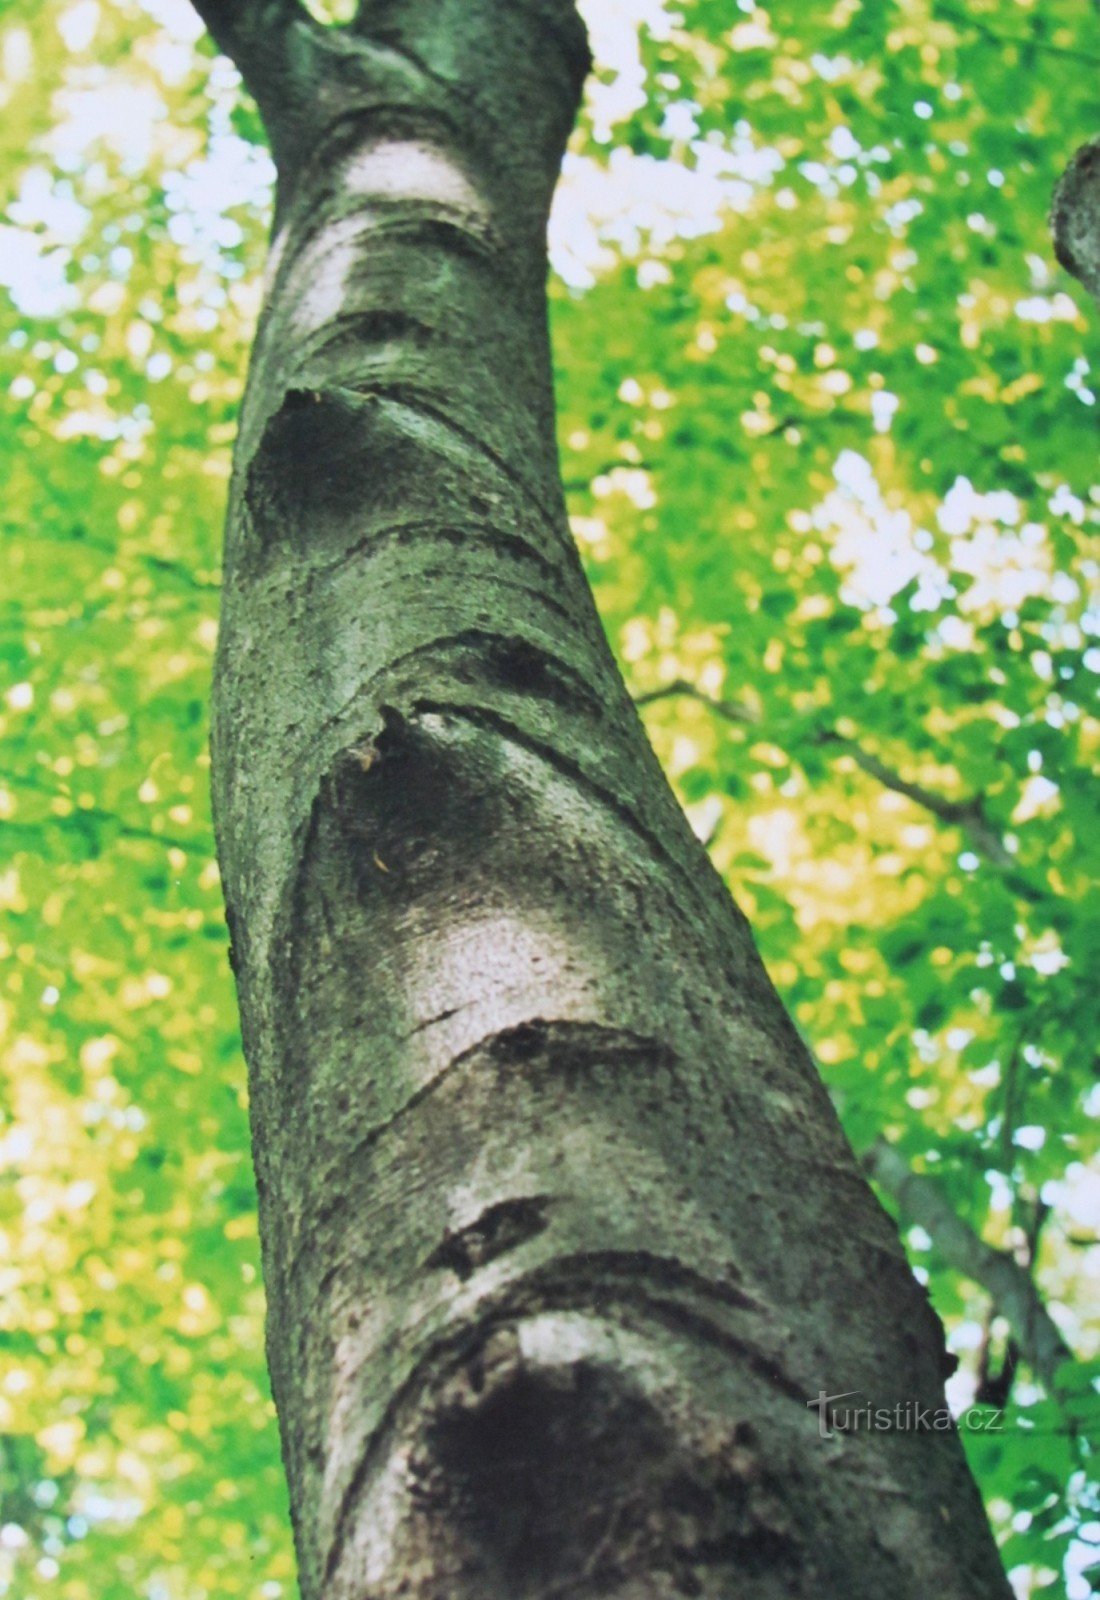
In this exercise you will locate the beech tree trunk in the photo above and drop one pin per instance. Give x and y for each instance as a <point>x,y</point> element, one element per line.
<point>560,1231</point>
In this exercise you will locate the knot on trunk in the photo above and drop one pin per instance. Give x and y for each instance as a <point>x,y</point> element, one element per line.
<point>548,1468</point>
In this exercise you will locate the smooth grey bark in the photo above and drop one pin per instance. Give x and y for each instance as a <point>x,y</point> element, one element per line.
<point>560,1231</point>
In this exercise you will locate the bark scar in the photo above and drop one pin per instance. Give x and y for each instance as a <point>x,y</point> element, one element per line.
<point>501,1228</point>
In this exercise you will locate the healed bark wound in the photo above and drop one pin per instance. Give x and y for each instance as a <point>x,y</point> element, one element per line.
<point>560,1232</point>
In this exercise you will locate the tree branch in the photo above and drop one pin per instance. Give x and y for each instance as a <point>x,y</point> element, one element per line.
<point>729,710</point>
<point>966,814</point>
<point>922,1201</point>
<point>237,25</point>
<point>252,34</point>
<point>1018,41</point>
<point>80,817</point>
<point>1075,217</point>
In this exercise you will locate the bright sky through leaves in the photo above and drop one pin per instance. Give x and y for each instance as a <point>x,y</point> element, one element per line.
<point>828,419</point>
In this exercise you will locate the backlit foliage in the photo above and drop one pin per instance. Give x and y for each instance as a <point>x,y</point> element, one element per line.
<point>828,420</point>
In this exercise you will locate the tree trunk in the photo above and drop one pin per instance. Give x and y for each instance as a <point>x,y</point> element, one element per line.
<point>560,1231</point>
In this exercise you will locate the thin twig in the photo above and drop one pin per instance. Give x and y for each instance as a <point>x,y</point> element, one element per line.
<point>966,814</point>
<point>97,816</point>
<point>1018,41</point>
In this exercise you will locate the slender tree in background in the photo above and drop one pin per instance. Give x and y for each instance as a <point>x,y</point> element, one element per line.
<point>560,1231</point>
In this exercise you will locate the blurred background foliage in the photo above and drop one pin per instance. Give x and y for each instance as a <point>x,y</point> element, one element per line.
<point>828,422</point>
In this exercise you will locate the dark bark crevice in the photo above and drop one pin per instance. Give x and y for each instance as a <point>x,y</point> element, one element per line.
<point>362,432</point>
<point>503,1227</point>
<point>432,406</point>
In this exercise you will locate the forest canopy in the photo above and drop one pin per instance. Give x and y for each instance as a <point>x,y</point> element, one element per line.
<point>828,427</point>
